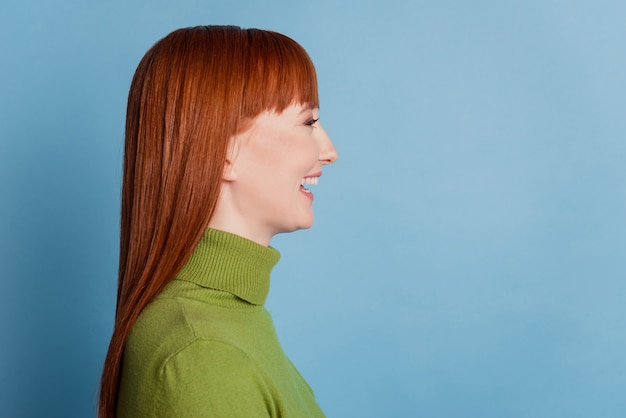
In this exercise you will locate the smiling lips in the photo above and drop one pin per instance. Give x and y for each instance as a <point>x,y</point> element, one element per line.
<point>308,180</point>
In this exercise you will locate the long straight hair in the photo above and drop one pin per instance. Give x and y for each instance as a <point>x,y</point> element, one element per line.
<point>191,93</point>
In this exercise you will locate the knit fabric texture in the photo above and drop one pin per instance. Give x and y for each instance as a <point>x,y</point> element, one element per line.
<point>206,346</point>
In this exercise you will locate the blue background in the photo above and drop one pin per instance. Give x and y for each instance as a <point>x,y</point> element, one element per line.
<point>468,253</point>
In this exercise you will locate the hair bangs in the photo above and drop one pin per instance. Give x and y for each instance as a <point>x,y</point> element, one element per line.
<point>280,73</point>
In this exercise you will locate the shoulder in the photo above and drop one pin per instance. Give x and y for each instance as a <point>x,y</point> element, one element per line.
<point>177,362</point>
<point>170,323</point>
<point>216,378</point>
<point>160,329</point>
<point>202,378</point>
<point>211,360</point>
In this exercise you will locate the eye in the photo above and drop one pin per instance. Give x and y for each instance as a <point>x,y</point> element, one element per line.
<point>311,122</point>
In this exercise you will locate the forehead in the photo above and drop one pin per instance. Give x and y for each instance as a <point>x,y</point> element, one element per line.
<point>293,110</point>
<point>292,115</point>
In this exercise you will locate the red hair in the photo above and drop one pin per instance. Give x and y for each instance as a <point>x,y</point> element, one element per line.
<point>191,93</point>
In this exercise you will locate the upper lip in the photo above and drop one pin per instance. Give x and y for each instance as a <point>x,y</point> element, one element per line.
<point>318,174</point>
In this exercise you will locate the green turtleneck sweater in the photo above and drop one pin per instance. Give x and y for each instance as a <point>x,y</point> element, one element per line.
<point>206,346</point>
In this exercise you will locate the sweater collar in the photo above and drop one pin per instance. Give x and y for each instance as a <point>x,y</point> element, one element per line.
<point>233,264</point>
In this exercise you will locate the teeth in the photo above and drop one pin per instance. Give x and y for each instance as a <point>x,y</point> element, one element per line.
<point>310,180</point>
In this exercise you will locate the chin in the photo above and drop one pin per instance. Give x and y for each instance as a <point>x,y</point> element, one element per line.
<point>307,224</point>
<point>300,225</point>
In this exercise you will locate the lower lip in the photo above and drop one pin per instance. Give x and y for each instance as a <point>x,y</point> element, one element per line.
<point>309,195</point>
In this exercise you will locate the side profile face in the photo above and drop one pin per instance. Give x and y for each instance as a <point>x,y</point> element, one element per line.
<point>271,167</point>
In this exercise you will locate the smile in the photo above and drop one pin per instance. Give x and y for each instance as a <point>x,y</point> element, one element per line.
<point>312,178</point>
<point>307,181</point>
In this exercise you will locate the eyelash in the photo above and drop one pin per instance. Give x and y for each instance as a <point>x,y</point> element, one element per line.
<point>312,122</point>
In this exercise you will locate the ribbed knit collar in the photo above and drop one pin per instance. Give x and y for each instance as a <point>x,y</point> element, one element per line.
<point>233,264</point>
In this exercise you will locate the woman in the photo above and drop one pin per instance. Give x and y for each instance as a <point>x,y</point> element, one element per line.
<point>222,135</point>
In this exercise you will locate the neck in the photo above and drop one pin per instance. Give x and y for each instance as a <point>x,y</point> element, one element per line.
<point>228,218</point>
<point>231,263</point>
<point>239,228</point>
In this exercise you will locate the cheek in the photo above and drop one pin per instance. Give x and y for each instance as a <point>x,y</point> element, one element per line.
<point>307,155</point>
<point>285,160</point>
<point>291,162</point>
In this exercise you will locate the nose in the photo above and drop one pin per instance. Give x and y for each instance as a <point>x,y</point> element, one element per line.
<point>328,153</point>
